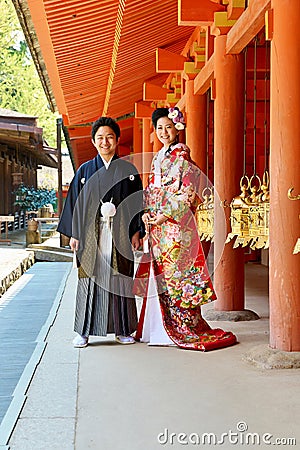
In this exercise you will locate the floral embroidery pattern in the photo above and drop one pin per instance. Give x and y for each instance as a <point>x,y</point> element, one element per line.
<point>191,290</point>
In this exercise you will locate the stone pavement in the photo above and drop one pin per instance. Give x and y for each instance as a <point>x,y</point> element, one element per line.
<point>29,298</point>
<point>113,397</point>
<point>14,259</point>
<point>27,310</point>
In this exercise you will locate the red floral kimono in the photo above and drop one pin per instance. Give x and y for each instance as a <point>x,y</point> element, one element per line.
<point>175,252</point>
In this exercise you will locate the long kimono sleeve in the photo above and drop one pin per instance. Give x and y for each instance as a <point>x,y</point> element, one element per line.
<point>137,224</point>
<point>181,197</point>
<point>67,224</point>
<point>133,192</point>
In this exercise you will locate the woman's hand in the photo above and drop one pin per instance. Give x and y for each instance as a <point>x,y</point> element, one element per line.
<point>145,218</point>
<point>153,220</point>
<point>74,244</point>
<point>159,219</point>
<point>136,242</point>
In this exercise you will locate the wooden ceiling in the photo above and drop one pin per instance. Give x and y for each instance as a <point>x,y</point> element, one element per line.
<point>93,57</point>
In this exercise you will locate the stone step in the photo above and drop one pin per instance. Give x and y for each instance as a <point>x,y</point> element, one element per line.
<point>47,233</point>
<point>53,255</point>
<point>50,248</point>
<point>13,263</point>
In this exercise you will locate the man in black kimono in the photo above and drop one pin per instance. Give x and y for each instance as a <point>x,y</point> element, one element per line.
<point>102,217</point>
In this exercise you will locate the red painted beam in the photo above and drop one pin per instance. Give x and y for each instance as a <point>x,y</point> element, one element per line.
<point>247,26</point>
<point>202,81</point>
<point>168,61</point>
<point>200,12</point>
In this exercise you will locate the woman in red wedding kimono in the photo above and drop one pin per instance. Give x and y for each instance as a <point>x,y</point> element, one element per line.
<point>172,276</point>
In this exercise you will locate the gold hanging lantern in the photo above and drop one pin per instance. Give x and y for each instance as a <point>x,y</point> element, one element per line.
<point>250,210</point>
<point>239,208</point>
<point>297,247</point>
<point>210,217</point>
<point>254,211</point>
<point>259,216</point>
<point>205,211</point>
<point>264,196</point>
<point>252,200</point>
<point>202,214</point>
<point>265,208</point>
<point>239,215</point>
<point>295,197</point>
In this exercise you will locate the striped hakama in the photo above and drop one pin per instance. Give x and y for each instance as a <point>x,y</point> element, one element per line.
<point>104,302</point>
<point>95,316</point>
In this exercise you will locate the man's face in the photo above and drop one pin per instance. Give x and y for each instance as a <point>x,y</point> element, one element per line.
<point>105,142</point>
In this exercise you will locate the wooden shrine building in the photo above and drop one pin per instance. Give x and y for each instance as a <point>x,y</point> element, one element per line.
<point>233,68</point>
<point>22,151</point>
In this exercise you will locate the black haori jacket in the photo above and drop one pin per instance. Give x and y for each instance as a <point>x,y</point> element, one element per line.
<point>92,185</point>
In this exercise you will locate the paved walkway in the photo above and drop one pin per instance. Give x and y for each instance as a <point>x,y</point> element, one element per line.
<point>114,397</point>
<point>27,310</point>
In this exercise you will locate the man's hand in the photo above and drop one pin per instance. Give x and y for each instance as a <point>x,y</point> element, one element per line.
<point>136,242</point>
<point>74,244</point>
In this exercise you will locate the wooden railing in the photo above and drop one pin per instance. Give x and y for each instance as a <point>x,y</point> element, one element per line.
<point>17,221</point>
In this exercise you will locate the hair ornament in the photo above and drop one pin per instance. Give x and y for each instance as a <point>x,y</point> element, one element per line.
<point>177,118</point>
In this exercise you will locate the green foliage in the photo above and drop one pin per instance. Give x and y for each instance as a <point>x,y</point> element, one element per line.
<point>20,87</point>
<point>31,199</point>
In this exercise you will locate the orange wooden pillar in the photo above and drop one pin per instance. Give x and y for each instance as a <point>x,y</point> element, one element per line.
<point>138,144</point>
<point>147,148</point>
<point>157,145</point>
<point>228,169</point>
<point>137,136</point>
<point>196,125</point>
<point>284,267</point>
<point>196,136</point>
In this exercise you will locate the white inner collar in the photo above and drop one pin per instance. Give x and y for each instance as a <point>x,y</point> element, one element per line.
<point>106,163</point>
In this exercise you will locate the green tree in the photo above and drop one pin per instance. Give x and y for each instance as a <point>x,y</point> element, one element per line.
<point>20,87</point>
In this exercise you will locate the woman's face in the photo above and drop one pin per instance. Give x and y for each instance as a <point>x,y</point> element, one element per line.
<point>166,131</point>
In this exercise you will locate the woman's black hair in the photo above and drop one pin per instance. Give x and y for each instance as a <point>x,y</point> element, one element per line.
<point>157,114</point>
<point>105,122</point>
